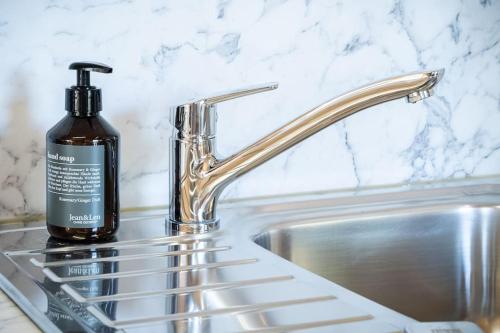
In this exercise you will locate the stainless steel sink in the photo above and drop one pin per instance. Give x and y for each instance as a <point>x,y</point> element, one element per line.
<point>427,252</point>
<point>432,255</point>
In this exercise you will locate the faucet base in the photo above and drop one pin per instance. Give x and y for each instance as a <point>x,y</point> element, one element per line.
<point>192,228</point>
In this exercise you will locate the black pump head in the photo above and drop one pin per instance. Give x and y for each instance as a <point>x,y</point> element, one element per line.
<point>84,99</point>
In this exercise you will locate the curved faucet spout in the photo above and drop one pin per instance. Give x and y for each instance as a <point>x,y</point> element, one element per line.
<point>195,205</point>
<point>324,115</point>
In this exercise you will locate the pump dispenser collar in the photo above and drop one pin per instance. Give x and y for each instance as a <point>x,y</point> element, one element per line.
<point>84,99</point>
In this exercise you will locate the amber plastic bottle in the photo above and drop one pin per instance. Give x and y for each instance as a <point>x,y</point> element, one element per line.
<point>83,165</point>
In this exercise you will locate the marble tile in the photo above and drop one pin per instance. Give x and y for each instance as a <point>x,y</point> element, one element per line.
<point>12,319</point>
<point>167,52</point>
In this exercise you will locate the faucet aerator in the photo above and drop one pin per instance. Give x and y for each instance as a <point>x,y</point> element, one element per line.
<point>417,96</point>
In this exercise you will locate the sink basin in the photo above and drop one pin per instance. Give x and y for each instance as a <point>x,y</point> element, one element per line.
<point>433,255</point>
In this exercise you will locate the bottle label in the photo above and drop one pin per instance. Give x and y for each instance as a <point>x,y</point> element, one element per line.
<point>75,186</point>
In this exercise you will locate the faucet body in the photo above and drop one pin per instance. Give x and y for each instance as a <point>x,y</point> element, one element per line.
<point>198,175</point>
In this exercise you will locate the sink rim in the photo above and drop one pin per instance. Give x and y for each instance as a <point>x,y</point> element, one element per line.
<point>373,200</point>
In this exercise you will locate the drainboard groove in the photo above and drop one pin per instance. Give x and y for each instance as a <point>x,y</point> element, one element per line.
<point>172,291</point>
<point>313,324</point>
<point>41,264</point>
<point>171,240</point>
<point>55,278</point>
<point>120,324</point>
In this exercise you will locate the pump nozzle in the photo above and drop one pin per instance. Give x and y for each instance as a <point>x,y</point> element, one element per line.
<point>84,99</point>
<point>83,71</point>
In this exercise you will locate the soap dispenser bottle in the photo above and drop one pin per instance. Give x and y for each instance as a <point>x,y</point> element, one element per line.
<point>82,165</point>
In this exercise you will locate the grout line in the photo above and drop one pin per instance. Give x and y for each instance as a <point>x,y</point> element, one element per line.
<point>493,180</point>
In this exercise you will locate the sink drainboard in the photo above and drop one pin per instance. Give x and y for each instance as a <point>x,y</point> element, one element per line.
<point>163,283</point>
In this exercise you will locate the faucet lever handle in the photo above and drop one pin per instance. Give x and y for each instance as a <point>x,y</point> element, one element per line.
<point>197,119</point>
<point>239,93</point>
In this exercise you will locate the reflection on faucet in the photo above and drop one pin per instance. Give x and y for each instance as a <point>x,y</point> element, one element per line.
<point>59,302</point>
<point>198,175</point>
<point>194,300</point>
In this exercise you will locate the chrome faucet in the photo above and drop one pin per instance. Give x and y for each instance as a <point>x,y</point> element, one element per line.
<point>198,175</point>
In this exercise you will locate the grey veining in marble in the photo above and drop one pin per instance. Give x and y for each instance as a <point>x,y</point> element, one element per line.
<point>167,52</point>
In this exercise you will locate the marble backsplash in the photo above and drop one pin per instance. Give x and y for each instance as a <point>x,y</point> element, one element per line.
<point>168,52</point>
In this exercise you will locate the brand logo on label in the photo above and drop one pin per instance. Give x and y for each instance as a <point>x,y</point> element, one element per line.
<point>84,219</point>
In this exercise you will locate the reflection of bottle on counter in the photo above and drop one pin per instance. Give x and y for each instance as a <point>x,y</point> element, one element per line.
<point>82,165</point>
<point>61,307</point>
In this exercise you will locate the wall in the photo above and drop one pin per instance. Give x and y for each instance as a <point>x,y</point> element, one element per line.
<point>167,52</point>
